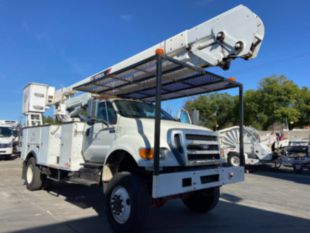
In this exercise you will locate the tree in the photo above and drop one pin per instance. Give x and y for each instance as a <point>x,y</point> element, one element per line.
<point>253,110</point>
<point>216,110</point>
<point>277,99</point>
<point>48,120</point>
<point>303,106</point>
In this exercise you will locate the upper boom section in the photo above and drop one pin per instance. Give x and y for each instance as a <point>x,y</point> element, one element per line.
<point>237,33</point>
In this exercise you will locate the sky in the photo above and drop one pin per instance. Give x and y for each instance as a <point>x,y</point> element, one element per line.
<point>59,42</point>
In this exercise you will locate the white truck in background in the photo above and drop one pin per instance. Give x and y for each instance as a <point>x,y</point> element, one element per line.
<point>258,149</point>
<point>117,135</point>
<point>8,138</point>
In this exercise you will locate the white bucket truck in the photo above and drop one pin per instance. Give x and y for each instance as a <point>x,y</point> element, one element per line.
<point>7,138</point>
<point>116,134</point>
<point>258,149</point>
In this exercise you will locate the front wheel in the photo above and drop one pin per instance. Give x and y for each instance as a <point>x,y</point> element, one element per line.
<point>202,201</point>
<point>126,203</point>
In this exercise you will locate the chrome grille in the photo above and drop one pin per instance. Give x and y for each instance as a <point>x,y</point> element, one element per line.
<point>196,147</point>
<point>5,145</point>
<point>201,137</point>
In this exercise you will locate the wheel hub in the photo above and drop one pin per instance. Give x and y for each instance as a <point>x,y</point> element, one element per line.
<point>117,204</point>
<point>29,174</point>
<point>235,161</point>
<point>120,204</point>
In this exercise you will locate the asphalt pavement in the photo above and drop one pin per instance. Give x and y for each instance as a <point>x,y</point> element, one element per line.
<point>268,201</point>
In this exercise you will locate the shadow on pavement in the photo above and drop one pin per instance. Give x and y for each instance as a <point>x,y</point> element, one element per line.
<point>11,157</point>
<point>79,195</point>
<point>289,176</point>
<point>230,198</point>
<point>174,217</point>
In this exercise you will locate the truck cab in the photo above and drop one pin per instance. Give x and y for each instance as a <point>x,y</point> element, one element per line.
<point>6,140</point>
<point>128,125</point>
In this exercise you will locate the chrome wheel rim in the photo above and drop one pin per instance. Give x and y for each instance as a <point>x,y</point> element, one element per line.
<point>29,174</point>
<point>120,204</point>
<point>235,161</point>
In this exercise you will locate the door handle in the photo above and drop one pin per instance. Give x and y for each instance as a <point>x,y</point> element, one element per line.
<point>87,132</point>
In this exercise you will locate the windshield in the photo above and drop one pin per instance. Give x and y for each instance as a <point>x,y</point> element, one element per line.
<point>135,109</point>
<point>5,132</point>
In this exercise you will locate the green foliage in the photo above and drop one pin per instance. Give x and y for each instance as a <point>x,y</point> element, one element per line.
<point>48,120</point>
<point>277,99</point>
<point>303,106</point>
<point>216,110</point>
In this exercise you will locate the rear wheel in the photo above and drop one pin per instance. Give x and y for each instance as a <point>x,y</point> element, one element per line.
<point>278,163</point>
<point>126,203</point>
<point>297,168</point>
<point>33,177</point>
<point>202,201</point>
<point>234,160</point>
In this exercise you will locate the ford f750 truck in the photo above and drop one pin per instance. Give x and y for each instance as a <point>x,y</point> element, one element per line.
<point>110,129</point>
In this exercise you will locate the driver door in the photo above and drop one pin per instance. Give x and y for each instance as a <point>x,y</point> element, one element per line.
<point>101,135</point>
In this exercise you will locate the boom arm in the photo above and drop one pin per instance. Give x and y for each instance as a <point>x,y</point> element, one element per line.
<point>236,33</point>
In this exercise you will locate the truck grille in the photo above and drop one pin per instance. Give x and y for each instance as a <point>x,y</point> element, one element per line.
<point>192,157</point>
<point>5,145</point>
<point>201,137</point>
<point>197,147</point>
<point>202,147</point>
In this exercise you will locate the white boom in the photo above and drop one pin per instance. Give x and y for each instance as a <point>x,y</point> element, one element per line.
<point>236,33</point>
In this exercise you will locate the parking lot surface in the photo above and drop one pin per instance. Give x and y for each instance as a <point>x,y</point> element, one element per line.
<point>267,201</point>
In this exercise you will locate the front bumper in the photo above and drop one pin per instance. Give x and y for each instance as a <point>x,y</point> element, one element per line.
<point>182,182</point>
<point>6,151</point>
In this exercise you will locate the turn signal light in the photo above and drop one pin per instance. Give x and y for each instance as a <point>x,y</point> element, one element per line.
<point>233,79</point>
<point>146,153</point>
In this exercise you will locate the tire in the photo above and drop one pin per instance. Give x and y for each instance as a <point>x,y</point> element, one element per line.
<point>202,201</point>
<point>127,203</point>
<point>234,160</point>
<point>33,178</point>
<point>298,168</point>
<point>278,163</point>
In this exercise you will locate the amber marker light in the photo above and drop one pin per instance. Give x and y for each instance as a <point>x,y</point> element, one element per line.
<point>160,51</point>
<point>146,153</point>
<point>233,79</point>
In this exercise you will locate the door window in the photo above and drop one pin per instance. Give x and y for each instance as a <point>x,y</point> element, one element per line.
<point>106,112</point>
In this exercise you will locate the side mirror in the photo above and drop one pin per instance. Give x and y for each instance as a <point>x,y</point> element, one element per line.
<point>91,121</point>
<point>184,117</point>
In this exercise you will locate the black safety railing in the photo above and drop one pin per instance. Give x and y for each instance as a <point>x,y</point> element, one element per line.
<point>159,78</point>
<point>233,84</point>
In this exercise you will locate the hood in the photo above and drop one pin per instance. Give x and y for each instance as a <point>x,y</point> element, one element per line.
<point>146,126</point>
<point>165,124</point>
<point>5,140</point>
